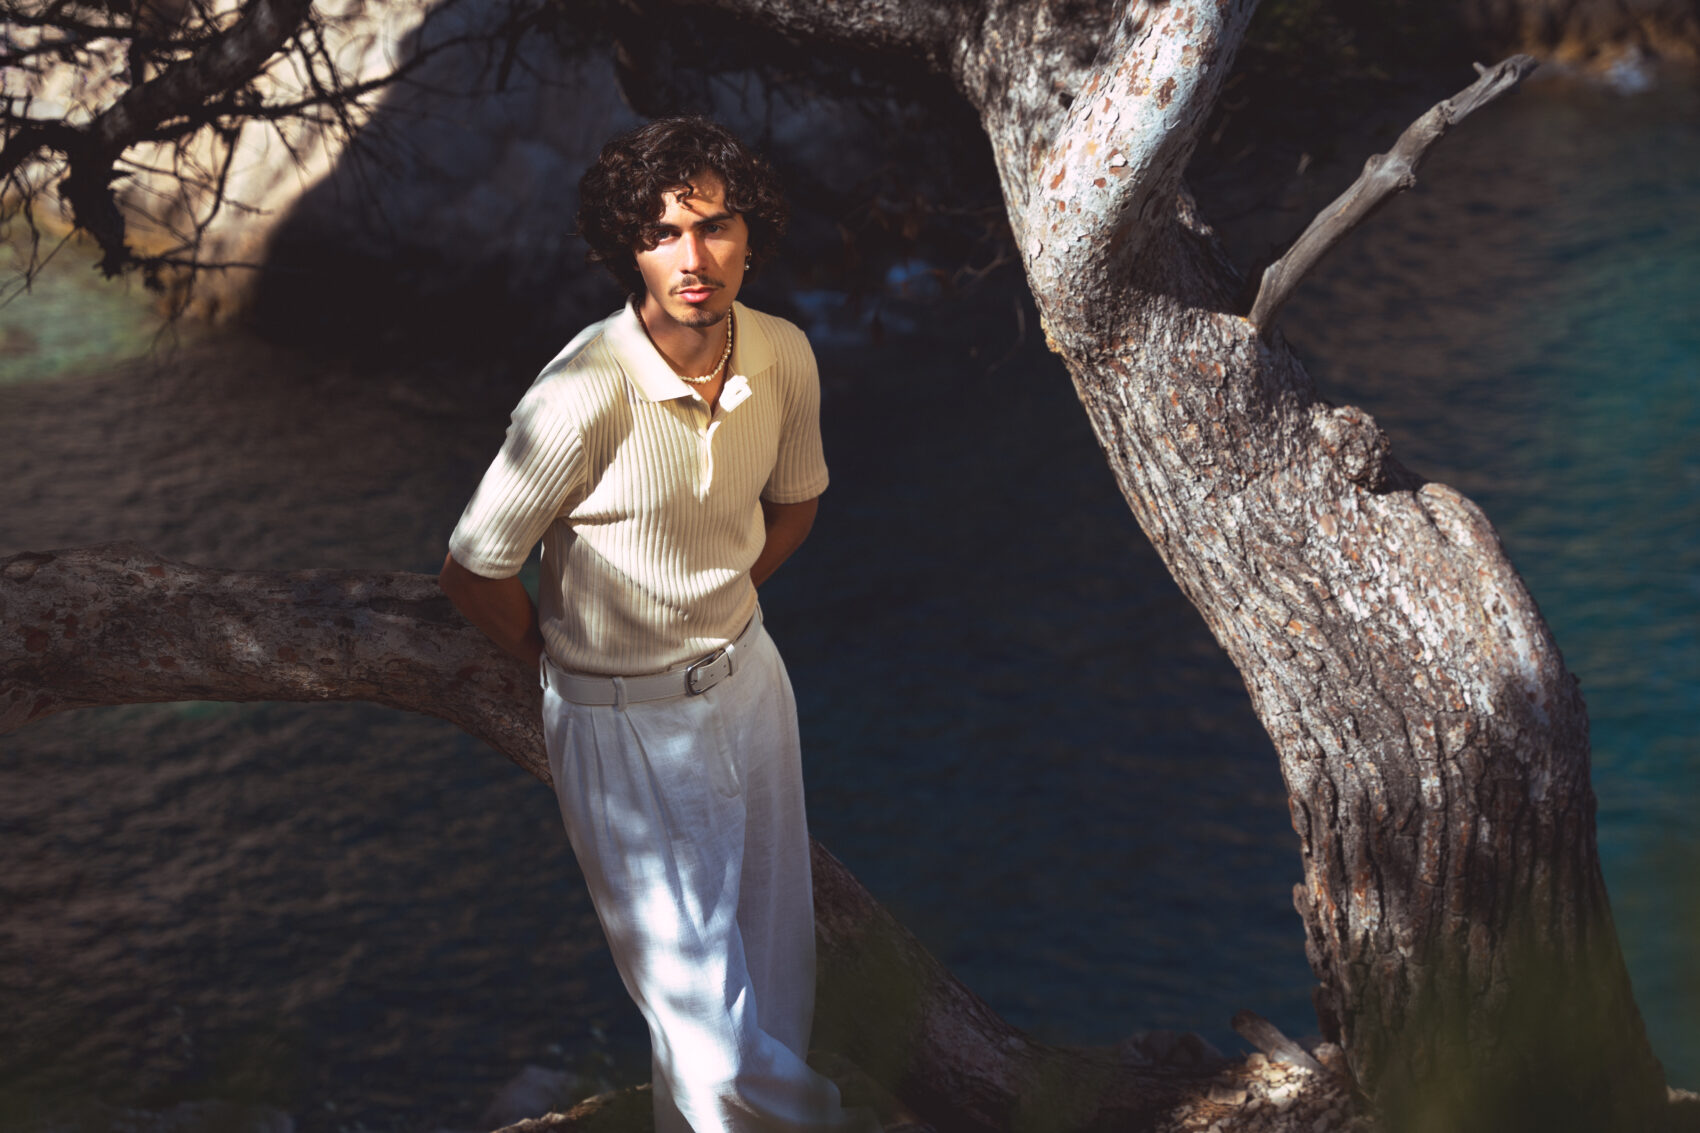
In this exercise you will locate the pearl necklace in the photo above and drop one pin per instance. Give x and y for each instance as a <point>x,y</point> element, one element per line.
<point>724,355</point>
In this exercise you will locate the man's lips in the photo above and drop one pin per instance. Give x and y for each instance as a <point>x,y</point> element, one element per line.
<point>695,293</point>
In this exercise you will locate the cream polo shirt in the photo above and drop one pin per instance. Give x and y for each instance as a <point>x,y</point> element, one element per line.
<point>648,506</point>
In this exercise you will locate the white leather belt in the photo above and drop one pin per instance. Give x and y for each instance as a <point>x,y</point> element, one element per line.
<point>691,680</point>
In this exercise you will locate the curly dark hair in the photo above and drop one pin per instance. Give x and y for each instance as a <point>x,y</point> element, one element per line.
<point>620,197</point>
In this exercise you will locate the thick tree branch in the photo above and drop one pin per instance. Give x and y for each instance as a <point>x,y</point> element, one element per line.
<point>1385,175</point>
<point>1107,180</point>
<point>117,625</point>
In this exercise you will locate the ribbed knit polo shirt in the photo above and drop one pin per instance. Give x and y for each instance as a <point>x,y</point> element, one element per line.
<point>648,506</point>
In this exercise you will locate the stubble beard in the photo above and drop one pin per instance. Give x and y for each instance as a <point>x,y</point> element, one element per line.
<point>699,319</point>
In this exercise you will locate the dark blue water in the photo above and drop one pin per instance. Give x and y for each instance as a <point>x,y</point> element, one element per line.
<point>1017,733</point>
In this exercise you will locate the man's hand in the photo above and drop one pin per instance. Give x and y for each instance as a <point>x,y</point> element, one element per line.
<point>787,526</point>
<point>498,606</point>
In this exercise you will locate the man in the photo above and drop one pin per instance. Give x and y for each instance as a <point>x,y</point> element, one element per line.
<point>669,459</point>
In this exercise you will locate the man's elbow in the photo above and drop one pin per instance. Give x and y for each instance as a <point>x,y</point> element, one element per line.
<point>804,523</point>
<point>799,518</point>
<point>454,579</point>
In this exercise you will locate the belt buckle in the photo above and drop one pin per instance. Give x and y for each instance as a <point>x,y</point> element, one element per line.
<point>708,672</point>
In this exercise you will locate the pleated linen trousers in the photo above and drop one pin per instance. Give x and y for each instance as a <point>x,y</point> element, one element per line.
<point>687,818</point>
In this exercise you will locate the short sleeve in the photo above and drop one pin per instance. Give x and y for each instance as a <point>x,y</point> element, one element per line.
<point>539,468</point>
<point>799,470</point>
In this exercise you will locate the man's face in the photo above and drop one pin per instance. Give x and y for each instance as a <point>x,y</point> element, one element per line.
<point>693,272</point>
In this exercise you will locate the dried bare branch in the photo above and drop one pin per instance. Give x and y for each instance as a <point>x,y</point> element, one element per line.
<point>1385,175</point>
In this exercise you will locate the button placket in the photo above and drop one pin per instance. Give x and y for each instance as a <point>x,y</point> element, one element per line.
<point>705,450</point>
<point>732,394</point>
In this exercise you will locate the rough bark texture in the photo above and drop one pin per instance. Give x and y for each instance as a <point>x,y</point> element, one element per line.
<point>118,625</point>
<point>1434,747</point>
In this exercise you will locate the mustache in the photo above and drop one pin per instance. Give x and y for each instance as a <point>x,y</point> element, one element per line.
<point>697,281</point>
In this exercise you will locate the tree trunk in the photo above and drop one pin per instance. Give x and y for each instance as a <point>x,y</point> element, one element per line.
<point>1434,747</point>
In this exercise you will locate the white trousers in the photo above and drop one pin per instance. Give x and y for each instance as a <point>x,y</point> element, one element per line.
<point>686,815</point>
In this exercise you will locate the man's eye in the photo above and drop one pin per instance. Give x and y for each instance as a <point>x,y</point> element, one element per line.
<point>714,228</point>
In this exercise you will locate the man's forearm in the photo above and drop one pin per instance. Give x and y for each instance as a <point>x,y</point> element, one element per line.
<point>498,606</point>
<point>787,526</point>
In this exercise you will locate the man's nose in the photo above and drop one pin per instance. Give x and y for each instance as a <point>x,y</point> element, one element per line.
<point>692,254</point>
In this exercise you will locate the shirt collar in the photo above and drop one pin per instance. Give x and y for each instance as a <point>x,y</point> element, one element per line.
<point>655,379</point>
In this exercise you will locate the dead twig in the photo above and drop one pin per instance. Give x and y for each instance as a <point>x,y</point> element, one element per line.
<point>1385,175</point>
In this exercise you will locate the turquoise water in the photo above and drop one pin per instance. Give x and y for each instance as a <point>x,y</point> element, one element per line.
<point>69,318</point>
<point>1017,733</point>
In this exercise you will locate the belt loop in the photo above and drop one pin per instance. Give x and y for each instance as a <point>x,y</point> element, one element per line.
<point>619,694</point>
